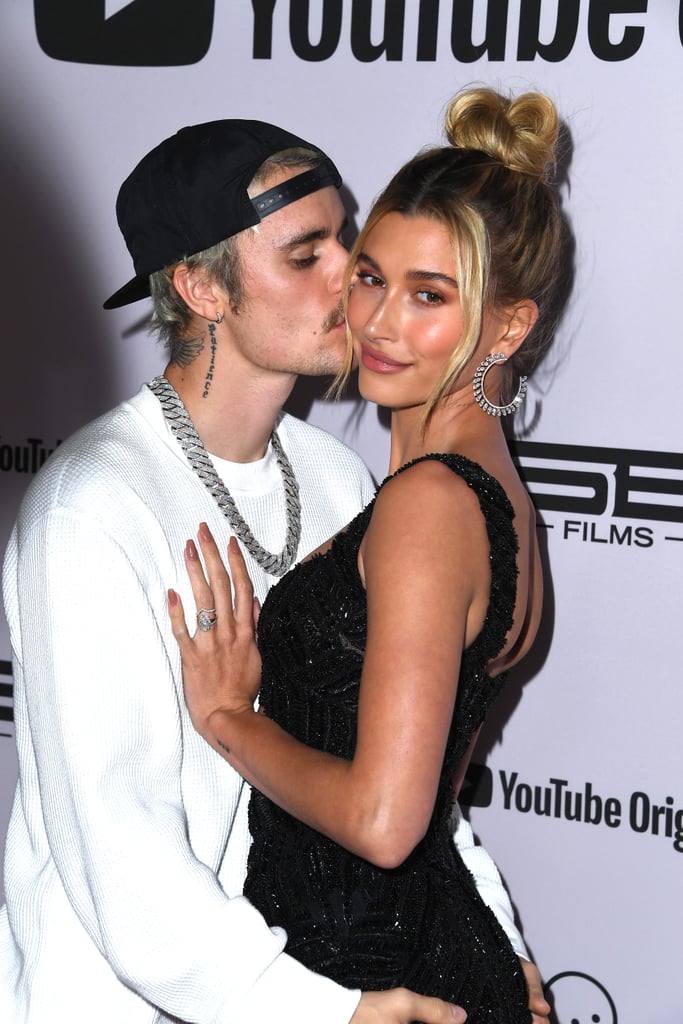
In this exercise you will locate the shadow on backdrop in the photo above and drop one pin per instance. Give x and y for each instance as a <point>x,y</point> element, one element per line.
<point>522,427</point>
<point>58,366</point>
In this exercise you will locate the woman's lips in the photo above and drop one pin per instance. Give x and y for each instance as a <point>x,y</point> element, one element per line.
<point>380,363</point>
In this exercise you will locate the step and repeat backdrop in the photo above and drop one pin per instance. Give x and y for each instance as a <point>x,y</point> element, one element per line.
<point>578,789</point>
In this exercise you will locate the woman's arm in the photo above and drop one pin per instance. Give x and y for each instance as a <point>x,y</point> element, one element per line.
<point>424,561</point>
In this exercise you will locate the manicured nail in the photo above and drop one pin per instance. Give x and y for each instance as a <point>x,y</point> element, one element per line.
<point>191,551</point>
<point>204,532</point>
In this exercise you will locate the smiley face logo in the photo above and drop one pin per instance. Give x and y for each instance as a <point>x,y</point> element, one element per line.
<point>577,998</point>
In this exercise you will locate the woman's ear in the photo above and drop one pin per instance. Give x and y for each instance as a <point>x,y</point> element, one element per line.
<point>516,323</point>
<point>197,291</point>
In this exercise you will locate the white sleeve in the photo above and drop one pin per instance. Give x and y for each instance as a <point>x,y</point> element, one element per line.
<point>369,488</point>
<point>487,878</point>
<point>105,726</point>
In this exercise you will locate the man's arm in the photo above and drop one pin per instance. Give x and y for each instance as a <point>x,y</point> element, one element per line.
<point>105,728</point>
<point>495,896</point>
<point>487,877</point>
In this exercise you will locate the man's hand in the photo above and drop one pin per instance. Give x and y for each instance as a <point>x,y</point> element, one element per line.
<point>540,1009</point>
<point>400,1006</point>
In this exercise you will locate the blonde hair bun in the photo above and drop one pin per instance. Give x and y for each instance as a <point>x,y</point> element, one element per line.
<point>521,133</point>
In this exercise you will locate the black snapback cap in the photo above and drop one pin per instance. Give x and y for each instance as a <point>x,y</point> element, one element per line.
<point>190,193</point>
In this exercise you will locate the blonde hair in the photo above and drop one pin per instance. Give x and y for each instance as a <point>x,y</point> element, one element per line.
<point>491,189</point>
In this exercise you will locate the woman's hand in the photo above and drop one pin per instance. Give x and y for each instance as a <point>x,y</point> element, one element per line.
<point>221,662</point>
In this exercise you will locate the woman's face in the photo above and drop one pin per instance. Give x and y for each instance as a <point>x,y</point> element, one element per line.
<point>404,310</point>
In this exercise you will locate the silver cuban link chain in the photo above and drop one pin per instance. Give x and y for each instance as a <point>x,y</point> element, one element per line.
<point>183,429</point>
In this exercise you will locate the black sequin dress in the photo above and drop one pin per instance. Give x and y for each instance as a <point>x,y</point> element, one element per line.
<point>423,924</point>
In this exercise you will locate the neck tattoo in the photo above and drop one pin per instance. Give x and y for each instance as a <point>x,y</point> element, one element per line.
<point>209,374</point>
<point>184,431</point>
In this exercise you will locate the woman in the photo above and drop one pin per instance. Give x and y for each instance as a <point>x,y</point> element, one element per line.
<point>379,655</point>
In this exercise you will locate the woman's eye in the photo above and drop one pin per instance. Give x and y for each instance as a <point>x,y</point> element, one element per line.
<point>429,298</point>
<point>368,279</point>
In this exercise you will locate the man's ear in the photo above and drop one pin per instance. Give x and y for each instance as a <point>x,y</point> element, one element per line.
<point>516,322</point>
<point>197,291</point>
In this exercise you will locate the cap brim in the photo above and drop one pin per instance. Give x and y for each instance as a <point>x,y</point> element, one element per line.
<point>136,289</point>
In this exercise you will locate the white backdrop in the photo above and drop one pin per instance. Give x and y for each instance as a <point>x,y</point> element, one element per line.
<point>581,798</point>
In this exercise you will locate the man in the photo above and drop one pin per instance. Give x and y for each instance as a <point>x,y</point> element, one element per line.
<point>127,842</point>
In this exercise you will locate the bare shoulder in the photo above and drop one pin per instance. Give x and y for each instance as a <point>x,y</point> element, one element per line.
<point>427,547</point>
<point>428,500</point>
<point>428,479</point>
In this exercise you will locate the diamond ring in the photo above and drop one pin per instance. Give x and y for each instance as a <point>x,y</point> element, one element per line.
<point>206,619</point>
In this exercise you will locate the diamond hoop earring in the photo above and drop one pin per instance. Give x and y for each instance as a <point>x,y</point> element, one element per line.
<point>478,388</point>
<point>219,318</point>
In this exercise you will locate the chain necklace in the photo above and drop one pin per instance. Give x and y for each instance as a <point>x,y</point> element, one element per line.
<point>183,429</point>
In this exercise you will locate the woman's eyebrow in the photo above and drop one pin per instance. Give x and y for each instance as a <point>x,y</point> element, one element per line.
<point>413,275</point>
